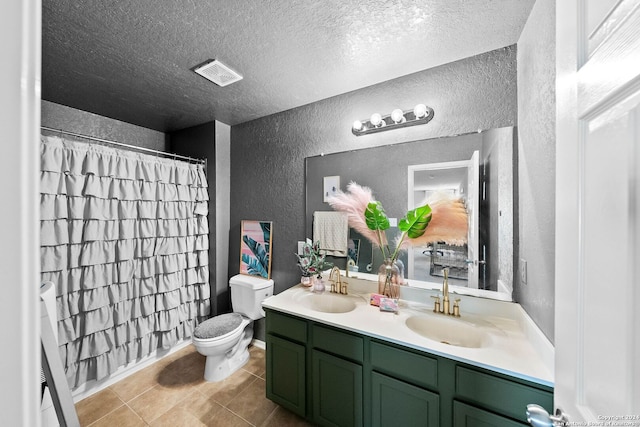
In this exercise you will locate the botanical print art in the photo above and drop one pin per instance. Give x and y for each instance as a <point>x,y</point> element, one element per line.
<point>255,248</point>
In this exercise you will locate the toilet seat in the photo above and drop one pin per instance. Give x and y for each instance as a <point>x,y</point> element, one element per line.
<point>220,327</point>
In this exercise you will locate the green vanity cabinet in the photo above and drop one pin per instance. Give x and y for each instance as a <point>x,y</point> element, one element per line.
<point>335,377</point>
<point>315,371</point>
<point>404,387</point>
<point>337,390</point>
<point>497,394</point>
<point>337,382</point>
<point>287,362</point>
<point>397,403</point>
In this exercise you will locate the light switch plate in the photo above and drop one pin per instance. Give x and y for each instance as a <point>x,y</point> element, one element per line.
<point>523,271</point>
<point>300,247</point>
<point>393,222</point>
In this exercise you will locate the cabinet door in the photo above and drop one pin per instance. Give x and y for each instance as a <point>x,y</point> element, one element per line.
<point>286,369</point>
<point>396,403</point>
<point>469,416</point>
<point>337,391</point>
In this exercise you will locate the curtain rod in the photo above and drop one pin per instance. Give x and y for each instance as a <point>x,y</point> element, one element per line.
<point>131,147</point>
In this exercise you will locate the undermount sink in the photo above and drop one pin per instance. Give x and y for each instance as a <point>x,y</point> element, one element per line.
<point>448,330</point>
<point>328,302</point>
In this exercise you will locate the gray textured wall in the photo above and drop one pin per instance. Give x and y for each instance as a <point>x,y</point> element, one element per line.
<point>536,159</point>
<point>268,154</point>
<point>73,120</point>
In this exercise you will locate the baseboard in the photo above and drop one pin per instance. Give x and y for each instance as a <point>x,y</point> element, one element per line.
<point>503,288</point>
<point>259,344</point>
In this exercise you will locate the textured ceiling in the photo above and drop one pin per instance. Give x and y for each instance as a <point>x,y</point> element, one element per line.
<point>133,60</point>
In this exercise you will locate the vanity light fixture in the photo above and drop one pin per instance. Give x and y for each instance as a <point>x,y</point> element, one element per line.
<point>420,115</point>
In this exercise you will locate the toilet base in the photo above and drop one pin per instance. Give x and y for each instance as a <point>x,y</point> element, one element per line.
<point>219,367</point>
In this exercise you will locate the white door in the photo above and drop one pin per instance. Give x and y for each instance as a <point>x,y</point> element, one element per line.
<point>473,207</point>
<point>597,317</point>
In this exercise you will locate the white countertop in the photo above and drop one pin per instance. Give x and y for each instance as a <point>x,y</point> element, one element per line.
<point>513,345</point>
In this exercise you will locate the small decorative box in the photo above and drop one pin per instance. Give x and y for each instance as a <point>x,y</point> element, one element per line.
<point>375,299</point>
<point>388,304</point>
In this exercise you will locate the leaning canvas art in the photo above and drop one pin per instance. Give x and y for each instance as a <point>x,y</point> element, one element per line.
<point>255,248</point>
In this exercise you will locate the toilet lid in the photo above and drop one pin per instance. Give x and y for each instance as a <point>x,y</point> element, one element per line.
<point>218,326</point>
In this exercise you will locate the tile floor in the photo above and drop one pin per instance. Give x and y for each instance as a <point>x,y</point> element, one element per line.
<point>172,392</point>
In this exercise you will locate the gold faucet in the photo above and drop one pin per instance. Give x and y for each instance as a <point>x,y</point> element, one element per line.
<point>444,308</point>
<point>337,285</point>
<point>349,264</point>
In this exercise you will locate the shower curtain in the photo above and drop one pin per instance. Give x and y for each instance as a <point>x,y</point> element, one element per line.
<point>124,237</point>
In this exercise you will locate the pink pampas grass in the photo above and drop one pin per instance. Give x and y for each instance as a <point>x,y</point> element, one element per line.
<point>354,202</point>
<point>449,219</point>
<point>449,222</point>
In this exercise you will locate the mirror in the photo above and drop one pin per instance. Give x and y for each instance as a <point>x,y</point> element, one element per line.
<point>399,175</point>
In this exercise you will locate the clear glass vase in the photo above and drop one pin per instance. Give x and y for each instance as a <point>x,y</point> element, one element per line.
<point>389,279</point>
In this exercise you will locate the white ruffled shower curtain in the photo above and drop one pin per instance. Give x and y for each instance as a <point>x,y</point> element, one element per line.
<point>124,237</point>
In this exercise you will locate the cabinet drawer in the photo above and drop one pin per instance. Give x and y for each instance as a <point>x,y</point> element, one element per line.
<point>498,394</point>
<point>415,368</point>
<point>338,343</point>
<point>469,416</point>
<point>286,326</point>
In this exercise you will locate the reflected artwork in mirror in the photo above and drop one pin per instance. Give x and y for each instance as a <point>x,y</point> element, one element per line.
<point>479,167</point>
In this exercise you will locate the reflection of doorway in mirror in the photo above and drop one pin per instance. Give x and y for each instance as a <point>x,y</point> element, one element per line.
<point>458,179</point>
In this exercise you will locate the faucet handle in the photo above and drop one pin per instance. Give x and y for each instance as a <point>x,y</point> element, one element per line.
<point>343,288</point>
<point>436,304</point>
<point>456,307</point>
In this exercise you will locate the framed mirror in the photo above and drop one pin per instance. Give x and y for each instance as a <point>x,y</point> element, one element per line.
<point>393,172</point>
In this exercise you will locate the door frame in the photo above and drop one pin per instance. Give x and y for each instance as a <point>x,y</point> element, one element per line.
<point>20,38</point>
<point>591,79</point>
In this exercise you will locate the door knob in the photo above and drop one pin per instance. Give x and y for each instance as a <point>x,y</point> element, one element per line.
<point>537,416</point>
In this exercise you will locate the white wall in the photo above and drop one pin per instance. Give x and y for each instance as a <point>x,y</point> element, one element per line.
<point>19,253</point>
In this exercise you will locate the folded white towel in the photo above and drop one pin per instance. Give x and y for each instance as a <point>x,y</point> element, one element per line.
<point>331,229</point>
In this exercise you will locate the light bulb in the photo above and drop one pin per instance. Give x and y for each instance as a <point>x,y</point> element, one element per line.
<point>397,116</point>
<point>357,125</point>
<point>420,111</point>
<point>376,119</point>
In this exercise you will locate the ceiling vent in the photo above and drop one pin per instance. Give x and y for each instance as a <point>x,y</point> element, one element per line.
<point>218,73</point>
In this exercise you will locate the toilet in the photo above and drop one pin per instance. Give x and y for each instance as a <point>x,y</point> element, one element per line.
<point>224,339</point>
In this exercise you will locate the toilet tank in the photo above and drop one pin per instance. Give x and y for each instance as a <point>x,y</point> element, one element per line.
<point>247,294</point>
